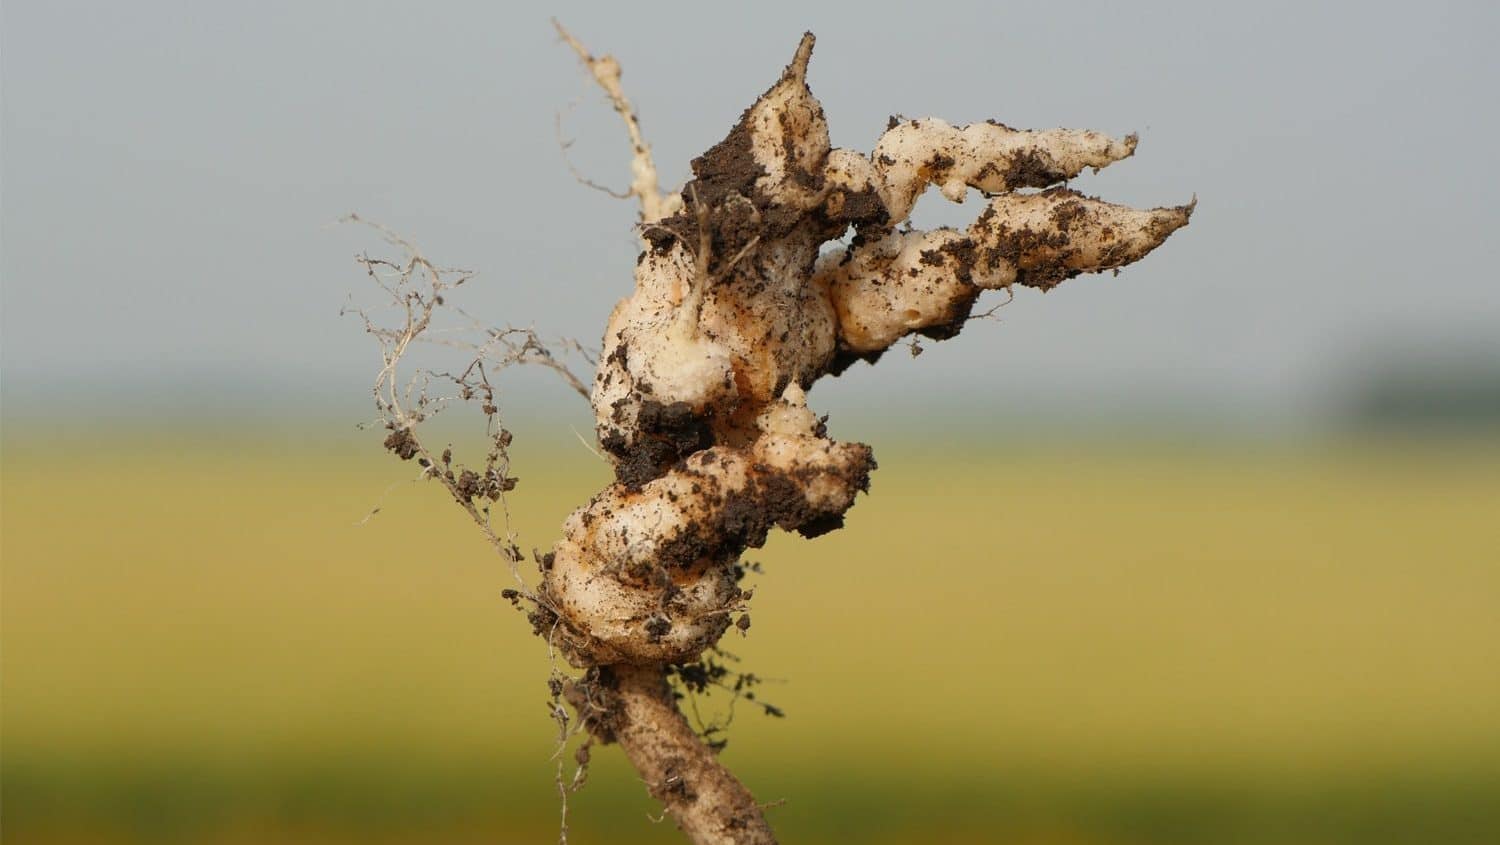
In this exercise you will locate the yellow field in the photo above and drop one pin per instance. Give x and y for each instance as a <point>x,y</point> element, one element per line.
<point>1063,644</point>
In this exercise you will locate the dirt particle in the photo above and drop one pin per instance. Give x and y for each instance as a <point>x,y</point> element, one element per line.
<point>1031,169</point>
<point>657,627</point>
<point>665,433</point>
<point>402,443</point>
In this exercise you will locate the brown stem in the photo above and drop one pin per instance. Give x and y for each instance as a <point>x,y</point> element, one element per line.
<point>708,803</point>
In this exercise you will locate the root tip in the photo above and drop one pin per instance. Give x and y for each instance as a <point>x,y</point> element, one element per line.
<point>798,68</point>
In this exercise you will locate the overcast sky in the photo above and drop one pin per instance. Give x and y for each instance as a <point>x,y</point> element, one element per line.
<point>168,172</point>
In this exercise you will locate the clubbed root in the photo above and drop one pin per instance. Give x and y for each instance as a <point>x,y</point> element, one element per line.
<point>990,157</point>
<point>648,574</point>
<point>927,282</point>
<point>700,393</point>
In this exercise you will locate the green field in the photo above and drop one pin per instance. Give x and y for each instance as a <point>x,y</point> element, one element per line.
<point>1065,643</point>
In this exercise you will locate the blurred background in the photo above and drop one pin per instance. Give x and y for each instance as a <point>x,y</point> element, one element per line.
<point>1207,552</point>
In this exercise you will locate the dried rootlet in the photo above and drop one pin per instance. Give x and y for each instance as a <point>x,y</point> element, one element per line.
<point>701,391</point>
